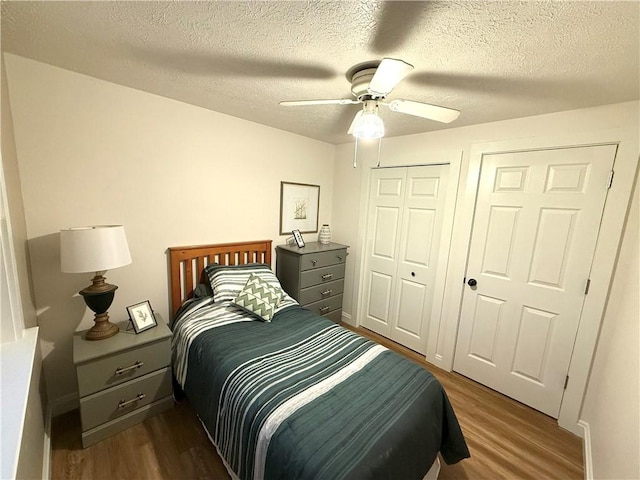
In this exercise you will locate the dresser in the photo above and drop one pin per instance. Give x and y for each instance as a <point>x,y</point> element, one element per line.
<point>314,276</point>
<point>122,380</point>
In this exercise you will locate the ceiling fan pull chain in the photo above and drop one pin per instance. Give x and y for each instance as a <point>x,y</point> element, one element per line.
<point>355,153</point>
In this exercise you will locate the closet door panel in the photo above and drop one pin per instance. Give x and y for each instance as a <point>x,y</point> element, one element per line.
<point>418,257</point>
<point>383,233</point>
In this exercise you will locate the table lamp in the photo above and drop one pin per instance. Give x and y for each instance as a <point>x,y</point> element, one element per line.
<point>95,249</point>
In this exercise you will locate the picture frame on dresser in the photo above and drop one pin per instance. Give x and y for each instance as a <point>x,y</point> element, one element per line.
<point>299,207</point>
<point>141,316</point>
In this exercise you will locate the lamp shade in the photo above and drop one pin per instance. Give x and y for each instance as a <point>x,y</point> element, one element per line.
<point>93,249</point>
<point>369,125</point>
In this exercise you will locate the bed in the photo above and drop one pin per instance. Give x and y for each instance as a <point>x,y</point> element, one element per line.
<point>287,394</point>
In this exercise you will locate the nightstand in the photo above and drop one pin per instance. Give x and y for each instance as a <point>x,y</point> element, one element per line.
<point>314,276</point>
<point>122,380</point>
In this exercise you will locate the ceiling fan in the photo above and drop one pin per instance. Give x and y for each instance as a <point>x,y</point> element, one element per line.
<point>371,82</point>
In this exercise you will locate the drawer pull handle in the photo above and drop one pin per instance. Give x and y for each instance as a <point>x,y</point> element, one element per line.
<point>325,309</point>
<point>340,257</point>
<point>120,370</point>
<point>126,403</point>
<point>313,262</point>
<point>326,292</point>
<point>327,276</point>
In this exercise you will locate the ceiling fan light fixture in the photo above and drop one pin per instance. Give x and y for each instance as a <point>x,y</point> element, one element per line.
<point>371,82</point>
<point>369,125</point>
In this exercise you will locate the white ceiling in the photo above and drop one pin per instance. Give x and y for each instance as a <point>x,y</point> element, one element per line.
<point>491,60</point>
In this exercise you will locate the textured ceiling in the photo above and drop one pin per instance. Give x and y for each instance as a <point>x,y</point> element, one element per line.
<point>490,60</point>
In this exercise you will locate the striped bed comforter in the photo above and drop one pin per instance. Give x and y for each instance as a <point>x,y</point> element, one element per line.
<point>303,398</point>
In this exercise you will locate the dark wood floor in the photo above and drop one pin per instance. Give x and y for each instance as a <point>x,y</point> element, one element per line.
<point>506,439</point>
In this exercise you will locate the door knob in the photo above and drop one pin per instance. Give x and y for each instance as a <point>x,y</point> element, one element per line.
<point>472,282</point>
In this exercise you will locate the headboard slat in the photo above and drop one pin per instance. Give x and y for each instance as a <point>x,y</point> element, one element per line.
<point>183,260</point>
<point>188,275</point>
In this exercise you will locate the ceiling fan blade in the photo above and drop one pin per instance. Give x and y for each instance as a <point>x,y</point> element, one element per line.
<point>425,110</point>
<point>389,73</point>
<point>353,123</point>
<point>340,101</point>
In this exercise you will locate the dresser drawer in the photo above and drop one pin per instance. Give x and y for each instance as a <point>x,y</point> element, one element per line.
<point>323,259</point>
<point>114,402</point>
<point>115,369</point>
<point>321,292</point>
<point>318,276</point>
<point>323,307</point>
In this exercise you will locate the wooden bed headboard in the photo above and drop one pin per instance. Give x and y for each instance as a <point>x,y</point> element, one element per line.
<point>187,264</point>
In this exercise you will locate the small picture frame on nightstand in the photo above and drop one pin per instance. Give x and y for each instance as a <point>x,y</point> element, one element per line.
<point>141,316</point>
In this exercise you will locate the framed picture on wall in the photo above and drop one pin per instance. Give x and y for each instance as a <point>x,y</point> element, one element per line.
<point>299,206</point>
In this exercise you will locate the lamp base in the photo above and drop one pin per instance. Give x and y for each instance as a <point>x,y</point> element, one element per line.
<point>102,329</point>
<point>98,298</point>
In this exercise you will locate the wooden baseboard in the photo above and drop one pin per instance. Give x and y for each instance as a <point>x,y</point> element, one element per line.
<point>586,447</point>
<point>46,451</point>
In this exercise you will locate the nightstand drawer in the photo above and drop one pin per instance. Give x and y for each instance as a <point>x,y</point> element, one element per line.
<point>323,259</point>
<point>321,275</point>
<point>321,292</point>
<point>109,404</point>
<point>325,306</point>
<point>123,366</point>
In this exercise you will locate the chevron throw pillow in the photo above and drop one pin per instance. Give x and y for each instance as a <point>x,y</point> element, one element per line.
<point>259,298</point>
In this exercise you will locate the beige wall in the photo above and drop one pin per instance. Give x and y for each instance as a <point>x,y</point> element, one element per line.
<point>92,152</point>
<point>612,402</point>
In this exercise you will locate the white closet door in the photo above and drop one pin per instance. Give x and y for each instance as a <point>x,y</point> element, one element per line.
<point>404,230</point>
<point>534,235</point>
<point>386,199</point>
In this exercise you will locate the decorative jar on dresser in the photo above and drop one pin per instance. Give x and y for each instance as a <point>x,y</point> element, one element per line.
<point>314,276</point>
<point>122,380</point>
